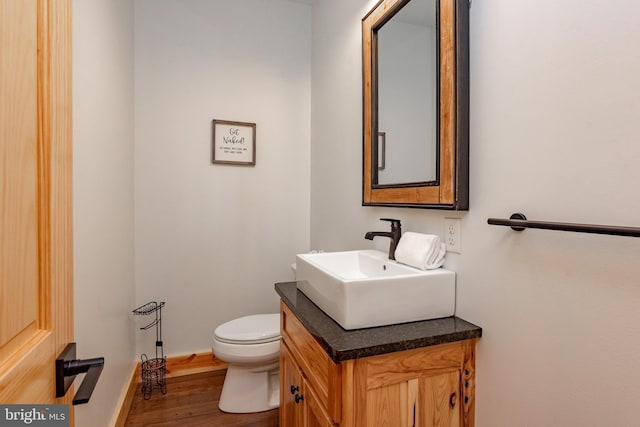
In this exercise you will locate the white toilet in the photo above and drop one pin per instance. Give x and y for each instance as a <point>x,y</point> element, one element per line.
<point>251,347</point>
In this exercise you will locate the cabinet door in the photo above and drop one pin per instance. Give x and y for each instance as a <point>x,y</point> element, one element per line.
<point>291,385</point>
<point>438,402</point>
<point>427,401</point>
<point>392,405</point>
<point>315,414</point>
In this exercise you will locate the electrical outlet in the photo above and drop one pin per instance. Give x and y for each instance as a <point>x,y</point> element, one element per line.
<point>452,234</point>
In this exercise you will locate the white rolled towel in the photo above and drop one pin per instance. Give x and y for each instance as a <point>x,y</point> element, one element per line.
<point>423,251</point>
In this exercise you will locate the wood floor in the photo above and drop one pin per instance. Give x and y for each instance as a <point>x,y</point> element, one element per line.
<point>192,401</point>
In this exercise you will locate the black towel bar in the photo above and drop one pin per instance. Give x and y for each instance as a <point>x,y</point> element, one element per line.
<point>519,222</point>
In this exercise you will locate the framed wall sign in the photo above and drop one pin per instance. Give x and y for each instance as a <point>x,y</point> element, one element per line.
<point>234,142</point>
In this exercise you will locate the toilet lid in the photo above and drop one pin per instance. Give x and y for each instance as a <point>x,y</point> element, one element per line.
<point>255,329</point>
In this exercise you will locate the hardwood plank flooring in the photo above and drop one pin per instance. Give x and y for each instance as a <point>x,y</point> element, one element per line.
<point>192,401</point>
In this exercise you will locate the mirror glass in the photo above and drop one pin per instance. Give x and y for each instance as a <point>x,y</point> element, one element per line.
<point>416,104</point>
<point>407,80</point>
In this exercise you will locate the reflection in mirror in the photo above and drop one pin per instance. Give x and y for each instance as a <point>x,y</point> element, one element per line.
<point>407,95</point>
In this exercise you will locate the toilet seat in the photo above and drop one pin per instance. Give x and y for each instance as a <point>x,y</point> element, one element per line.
<point>249,330</point>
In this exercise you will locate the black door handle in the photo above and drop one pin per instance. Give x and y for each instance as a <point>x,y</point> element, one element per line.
<point>67,367</point>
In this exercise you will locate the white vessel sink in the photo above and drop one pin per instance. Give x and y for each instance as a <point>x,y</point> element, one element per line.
<point>360,289</point>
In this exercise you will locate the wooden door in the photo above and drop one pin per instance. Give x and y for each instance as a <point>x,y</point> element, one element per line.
<point>36,260</point>
<point>291,412</point>
<point>438,402</point>
<point>315,413</point>
<point>392,405</point>
<point>426,401</point>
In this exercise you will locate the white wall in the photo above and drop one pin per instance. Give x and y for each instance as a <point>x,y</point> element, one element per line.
<point>103,198</point>
<point>211,240</point>
<point>554,129</point>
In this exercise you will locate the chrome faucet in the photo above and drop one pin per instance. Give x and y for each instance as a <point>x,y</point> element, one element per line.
<point>394,235</point>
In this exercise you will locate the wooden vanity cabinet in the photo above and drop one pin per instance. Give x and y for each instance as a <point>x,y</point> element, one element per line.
<point>428,386</point>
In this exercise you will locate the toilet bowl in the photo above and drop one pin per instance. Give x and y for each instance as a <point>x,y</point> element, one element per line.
<point>251,347</point>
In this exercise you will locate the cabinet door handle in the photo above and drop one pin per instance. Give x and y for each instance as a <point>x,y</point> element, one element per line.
<point>452,400</point>
<point>299,397</point>
<point>294,389</point>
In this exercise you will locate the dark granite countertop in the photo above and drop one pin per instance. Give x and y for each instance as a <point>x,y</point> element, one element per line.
<point>341,344</point>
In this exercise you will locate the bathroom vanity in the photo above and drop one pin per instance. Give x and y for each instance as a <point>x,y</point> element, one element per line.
<point>419,373</point>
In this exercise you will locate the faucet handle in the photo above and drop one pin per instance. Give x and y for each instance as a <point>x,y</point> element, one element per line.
<point>394,222</point>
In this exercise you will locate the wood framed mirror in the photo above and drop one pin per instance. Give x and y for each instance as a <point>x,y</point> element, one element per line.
<point>416,94</point>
